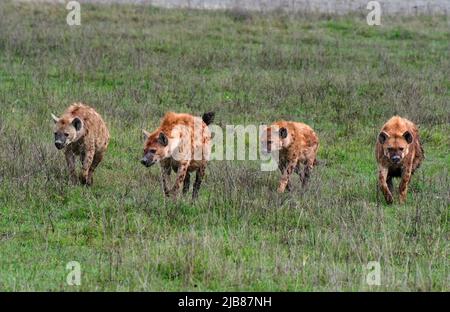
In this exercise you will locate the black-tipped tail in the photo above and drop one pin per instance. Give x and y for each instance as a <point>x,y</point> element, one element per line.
<point>208,118</point>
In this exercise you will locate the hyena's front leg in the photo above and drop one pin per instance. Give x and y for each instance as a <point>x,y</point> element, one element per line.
<point>284,182</point>
<point>198,180</point>
<point>165,173</point>
<point>403,188</point>
<point>282,166</point>
<point>382,182</point>
<point>390,183</point>
<point>181,174</point>
<point>70,159</point>
<point>87,163</point>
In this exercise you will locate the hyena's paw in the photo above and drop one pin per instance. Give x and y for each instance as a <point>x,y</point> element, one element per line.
<point>389,199</point>
<point>86,180</point>
<point>280,189</point>
<point>73,178</point>
<point>172,194</point>
<point>289,187</point>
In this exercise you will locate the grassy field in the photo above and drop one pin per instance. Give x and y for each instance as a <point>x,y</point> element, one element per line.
<point>133,63</point>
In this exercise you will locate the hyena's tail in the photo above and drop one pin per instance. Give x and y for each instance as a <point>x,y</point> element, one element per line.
<point>208,118</point>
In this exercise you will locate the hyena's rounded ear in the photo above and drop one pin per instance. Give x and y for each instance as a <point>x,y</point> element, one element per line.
<point>382,137</point>
<point>146,134</point>
<point>408,137</point>
<point>77,123</point>
<point>55,119</point>
<point>283,133</point>
<point>162,139</point>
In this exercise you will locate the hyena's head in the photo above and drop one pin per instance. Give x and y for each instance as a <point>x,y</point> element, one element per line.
<point>67,131</point>
<point>274,138</point>
<point>395,147</point>
<point>156,148</point>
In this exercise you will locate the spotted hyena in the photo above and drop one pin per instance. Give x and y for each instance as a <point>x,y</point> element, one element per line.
<point>399,153</point>
<point>182,143</point>
<point>81,131</point>
<point>296,144</point>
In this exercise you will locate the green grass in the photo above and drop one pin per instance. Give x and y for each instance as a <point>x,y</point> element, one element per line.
<point>132,64</point>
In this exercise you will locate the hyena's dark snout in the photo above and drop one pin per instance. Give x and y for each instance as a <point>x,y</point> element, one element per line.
<point>147,162</point>
<point>396,159</point>
<point>60,140</point>
<point>59,145</point>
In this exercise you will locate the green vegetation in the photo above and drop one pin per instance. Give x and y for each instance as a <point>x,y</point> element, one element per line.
<point>134,63</point>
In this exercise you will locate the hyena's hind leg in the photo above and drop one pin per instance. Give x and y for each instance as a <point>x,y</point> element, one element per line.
<point>97,159</point>
<point>186,183</point>
<point>198,181</point>
<point>305,174</point>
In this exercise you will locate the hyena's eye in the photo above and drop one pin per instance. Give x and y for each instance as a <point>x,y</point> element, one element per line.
<point>152,151</point>
<point>390,149</point>
<point>401,149</point>
<point>66,135</point>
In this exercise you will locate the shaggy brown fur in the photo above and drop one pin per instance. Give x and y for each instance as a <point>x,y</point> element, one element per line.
<point>182,143</point>
<point>81,131</point>
<point>297,144</point>
<point>399,153</point>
